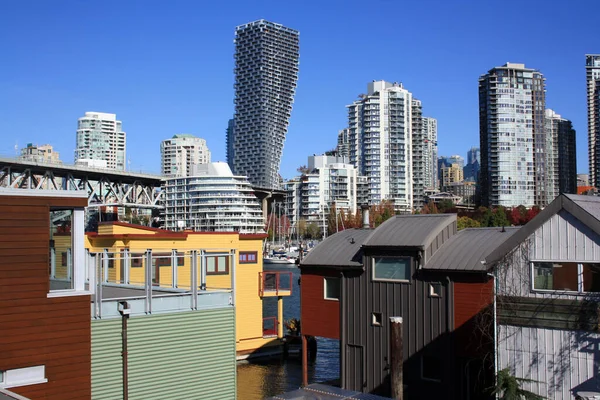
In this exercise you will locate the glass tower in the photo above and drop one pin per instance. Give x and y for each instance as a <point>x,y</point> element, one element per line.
<point>592,69</point>
<point>512,136</point>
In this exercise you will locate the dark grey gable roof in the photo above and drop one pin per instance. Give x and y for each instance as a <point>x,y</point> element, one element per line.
<point>468,248</point>
<point>340,250</point>
<point>410,230</point>
<point>585,208</point>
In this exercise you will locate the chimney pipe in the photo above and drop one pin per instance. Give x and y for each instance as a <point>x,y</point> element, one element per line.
<point>365,216</point>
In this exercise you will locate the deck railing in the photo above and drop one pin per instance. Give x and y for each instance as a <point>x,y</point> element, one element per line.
<point>275,282</point>
<point>158,281</point>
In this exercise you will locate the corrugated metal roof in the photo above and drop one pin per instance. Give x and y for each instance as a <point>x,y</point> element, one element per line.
<point>591,204</point>
<point>585,208</point>
<point>465,250</point>
<point>318,391</point>
<point>342,249</point>
<point>410,230</point>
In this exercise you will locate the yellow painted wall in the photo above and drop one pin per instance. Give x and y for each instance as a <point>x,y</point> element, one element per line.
<point>249,318</point>
<point>62,244</point>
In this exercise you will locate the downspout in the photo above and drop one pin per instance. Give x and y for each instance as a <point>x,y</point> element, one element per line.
<point>495,315</point>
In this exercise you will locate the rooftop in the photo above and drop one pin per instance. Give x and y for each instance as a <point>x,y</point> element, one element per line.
<point>410,230</point>
<point>466,250</point>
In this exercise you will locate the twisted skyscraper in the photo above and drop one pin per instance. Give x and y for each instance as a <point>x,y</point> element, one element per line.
<point>266,73</point>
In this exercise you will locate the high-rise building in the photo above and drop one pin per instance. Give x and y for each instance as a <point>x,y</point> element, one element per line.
<point>43,153</point>
<point>592,69</point>
<point>212,200</point>
<point>100,138</point>
<point>266,73</point>
<point>229,143</point>
<point>180,153</point>
<point>451,174</point>
<point>445,161</point>
<point>562,163</point>
<point>380,140</point>
<point>471,170</point>
<point>512,135</point>
<point>431,151</point>
<point>473,154</point>
<point>342,148</point>
<point>419,155</point>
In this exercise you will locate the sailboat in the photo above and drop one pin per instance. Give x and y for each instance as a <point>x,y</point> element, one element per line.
<point>276,256</point>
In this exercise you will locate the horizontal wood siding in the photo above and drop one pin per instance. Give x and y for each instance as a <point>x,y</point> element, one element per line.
<point>37,330</point>
<point>185,355</point>
<point>550,313</point>
<point>469,299</point>
<point>473,321</point>
<point>319,317</point>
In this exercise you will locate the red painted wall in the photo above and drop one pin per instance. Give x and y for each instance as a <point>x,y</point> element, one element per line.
<point>319,317</point>
<point>473,330</point>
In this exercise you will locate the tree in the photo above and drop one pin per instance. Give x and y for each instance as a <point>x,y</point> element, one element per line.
<point>445,205</point>
<point>332,220</point>
<point>430,208</point>
<point>466,222</point>
<point>301,226</point>
<point>313,231</point>
<point>499,217</point>
<point>381,212</point>
<point>303,170</point>
<point>533,211</point>
<point>508,387</point>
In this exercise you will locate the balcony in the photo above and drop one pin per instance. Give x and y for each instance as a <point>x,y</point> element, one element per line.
<point>274,284</point>
<point>154,283</point>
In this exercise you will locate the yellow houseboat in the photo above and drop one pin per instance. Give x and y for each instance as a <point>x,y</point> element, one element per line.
<point>134,255</point>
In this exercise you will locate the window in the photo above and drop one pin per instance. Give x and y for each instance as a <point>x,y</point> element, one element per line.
<point>391,268</point>
<point>435,289</point>
<point>376,319</point>
<point>66,252</point>
<point>23,376</point>
<point>431,368</point>
<point>217,265</point>
<point>332,288</point>
<point>566,276</point>
<point>137,260</point>
<point>164,259</point>
<point>248,257</point>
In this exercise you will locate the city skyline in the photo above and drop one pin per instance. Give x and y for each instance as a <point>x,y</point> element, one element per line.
<point>155,100</point>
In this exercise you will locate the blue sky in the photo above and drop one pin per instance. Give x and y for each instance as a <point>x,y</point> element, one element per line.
<point>166,67</point>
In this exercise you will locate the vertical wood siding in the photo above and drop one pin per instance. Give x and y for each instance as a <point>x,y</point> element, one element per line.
<point>561,238</point>
<point>426,320</point>
<point>34,329</point>
<point>559,361</point>
<point>187,355</point>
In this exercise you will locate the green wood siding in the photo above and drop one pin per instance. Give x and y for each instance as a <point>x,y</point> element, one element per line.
<point>186,355</point>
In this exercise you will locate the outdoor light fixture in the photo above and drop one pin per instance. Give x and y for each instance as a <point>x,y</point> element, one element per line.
<point>123,308</point>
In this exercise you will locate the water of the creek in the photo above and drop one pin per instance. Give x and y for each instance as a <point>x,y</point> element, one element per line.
<point>264,378</point>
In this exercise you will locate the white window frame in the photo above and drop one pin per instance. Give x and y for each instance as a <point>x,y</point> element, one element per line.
<point>373,265</point>
<point>78,258</point>
<point>325,278</point>
<point>579,291</point>
<point>432,292</point>
<point>23,376</point>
